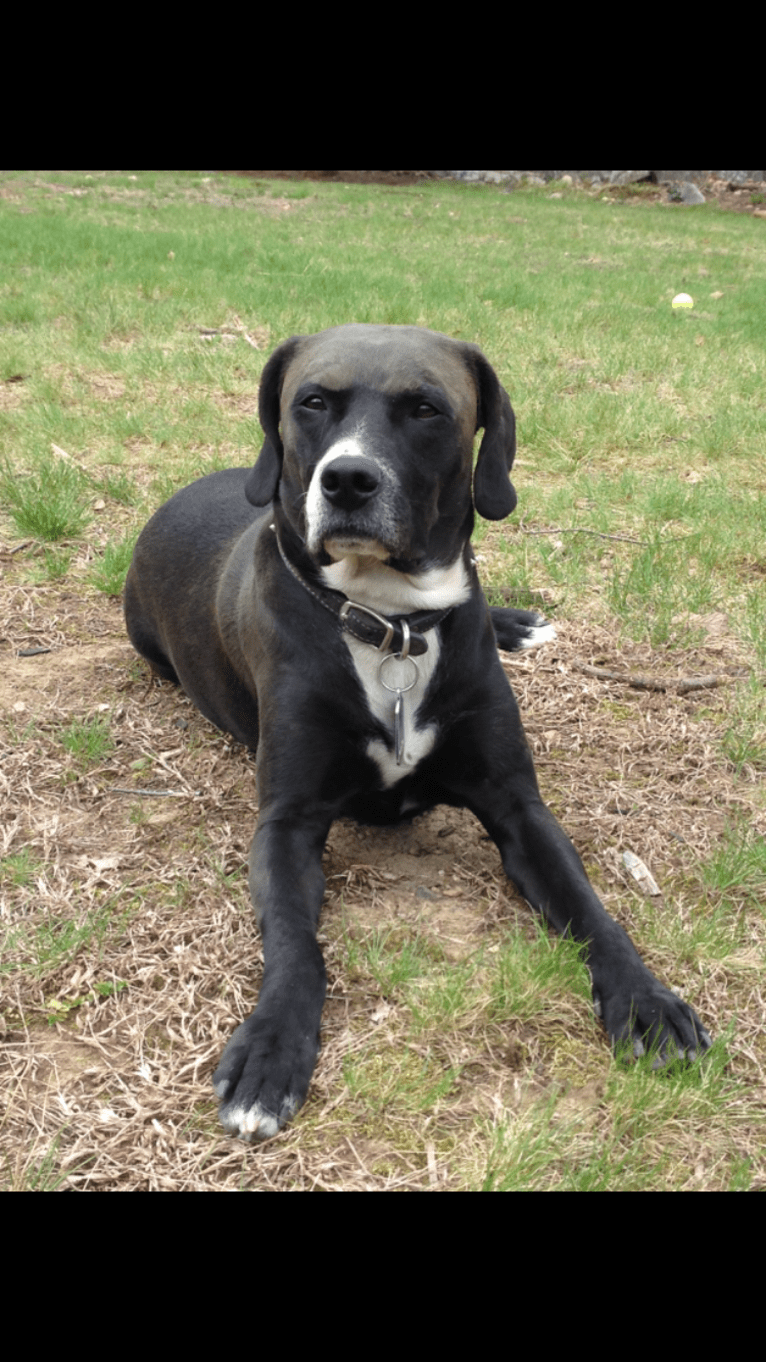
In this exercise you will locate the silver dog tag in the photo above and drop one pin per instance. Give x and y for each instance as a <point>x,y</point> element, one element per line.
<point>399,692</point>
<point>399,728</point>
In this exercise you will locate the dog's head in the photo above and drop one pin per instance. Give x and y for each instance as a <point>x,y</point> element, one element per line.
<point>375,450</point>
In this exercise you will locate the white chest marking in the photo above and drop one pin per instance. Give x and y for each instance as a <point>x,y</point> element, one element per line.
<point>379,587</point>
<point>418,741</point>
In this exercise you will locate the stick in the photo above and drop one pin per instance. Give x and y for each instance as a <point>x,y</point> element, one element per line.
<point>680,684</point>
<point>624,538</point>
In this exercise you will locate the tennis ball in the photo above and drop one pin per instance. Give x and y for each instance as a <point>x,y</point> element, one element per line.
<point>682,300</point>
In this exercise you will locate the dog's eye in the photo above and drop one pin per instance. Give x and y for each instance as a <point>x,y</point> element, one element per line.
<point>314,402</point>
<point>424,411</point>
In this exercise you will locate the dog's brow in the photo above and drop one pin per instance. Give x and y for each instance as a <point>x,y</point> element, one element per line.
<point>422,390</point>
<point>318,387</point>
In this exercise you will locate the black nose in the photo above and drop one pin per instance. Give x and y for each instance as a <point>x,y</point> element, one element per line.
<point>350,481</point>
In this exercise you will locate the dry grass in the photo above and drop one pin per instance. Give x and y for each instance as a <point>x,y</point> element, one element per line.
<point>136,951</point>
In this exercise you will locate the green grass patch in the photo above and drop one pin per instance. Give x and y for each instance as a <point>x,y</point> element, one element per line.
<point>413,1083</point>
<point>560,1143</point>
<point>52,939</point>
<point>389,957</point>
<point>738,866</point>
<point>88,740</point>
<point>20,868</point>
<point>109,572</point>
<point>744,727</point>
<point>49,503</point>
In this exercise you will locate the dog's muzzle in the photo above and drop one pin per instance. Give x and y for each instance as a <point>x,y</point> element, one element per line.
<point>350,506</point>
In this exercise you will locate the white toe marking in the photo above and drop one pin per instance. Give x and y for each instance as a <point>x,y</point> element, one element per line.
<point>253,1121</point>
<point>539,633</point>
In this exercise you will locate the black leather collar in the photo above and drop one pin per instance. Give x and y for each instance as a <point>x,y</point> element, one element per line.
<point>387,634</point>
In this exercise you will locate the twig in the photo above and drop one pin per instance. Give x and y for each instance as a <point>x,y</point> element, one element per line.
<point>171,794</point>
<point>680,684</point>
<point>575,529</point>
<point>207,331</point>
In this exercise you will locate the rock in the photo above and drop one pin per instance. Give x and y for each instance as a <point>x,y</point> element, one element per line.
<point>597,177</point>
<point>683,181</point>
<point>483,176</point>
<point>690,193</point>
<point>739,176</point>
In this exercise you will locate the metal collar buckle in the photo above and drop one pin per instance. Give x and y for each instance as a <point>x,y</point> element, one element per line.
<point>380,619</point>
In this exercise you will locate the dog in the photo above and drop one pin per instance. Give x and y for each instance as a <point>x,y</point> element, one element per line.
<point>324,608</point>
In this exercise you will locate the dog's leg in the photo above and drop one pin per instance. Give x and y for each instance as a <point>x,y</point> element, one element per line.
<point>515,629</point>
<point>500,787</point>
<point>264,1072</point>
<point>636,1009</point>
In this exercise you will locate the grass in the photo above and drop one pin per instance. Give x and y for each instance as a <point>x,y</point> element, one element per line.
<point>136,314</point>
<point>744,738</point>
<point>21,868</point>
<point>108,573</point>
<point>88,740</point>
<point>48,502</point>
<point>55,939</point>
<point>739,863</point>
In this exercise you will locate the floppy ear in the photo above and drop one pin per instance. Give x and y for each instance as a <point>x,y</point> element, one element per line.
<point>261,486</point>
<point>494,494</point>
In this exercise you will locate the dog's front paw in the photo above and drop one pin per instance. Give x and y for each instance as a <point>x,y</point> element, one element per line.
<point>517,629</point>
<point>264,1074</point>
<point>641,1015</point>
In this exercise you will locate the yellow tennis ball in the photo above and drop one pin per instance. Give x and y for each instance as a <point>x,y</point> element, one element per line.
<point>682,300</point>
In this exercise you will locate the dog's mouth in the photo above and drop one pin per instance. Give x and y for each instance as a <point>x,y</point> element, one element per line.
<point>348,546</point>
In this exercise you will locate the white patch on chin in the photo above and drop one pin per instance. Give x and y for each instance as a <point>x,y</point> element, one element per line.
<point>359,548</point>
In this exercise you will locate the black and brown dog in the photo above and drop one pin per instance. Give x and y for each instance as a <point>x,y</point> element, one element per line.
<point>342,632</point>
